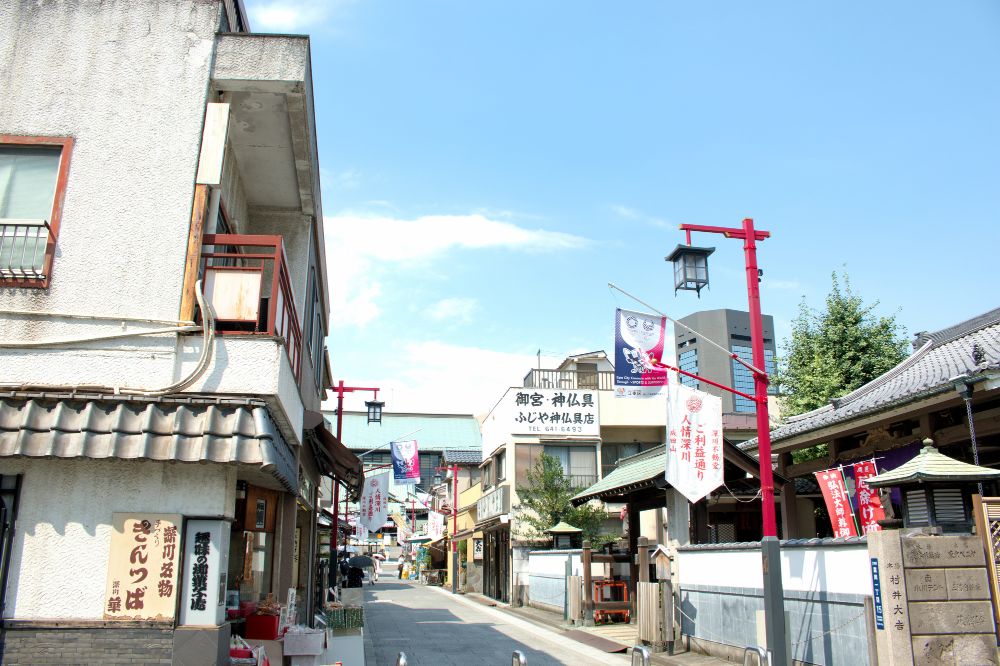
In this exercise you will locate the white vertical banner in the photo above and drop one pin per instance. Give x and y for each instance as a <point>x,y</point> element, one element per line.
<point>206,557</point>
<point>361,532</point>
<point>694,441</point>
<point>375,503</point>
<point>435,525</point>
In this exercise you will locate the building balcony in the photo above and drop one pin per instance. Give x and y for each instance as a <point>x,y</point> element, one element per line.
<point>581,481</point>
<point>570,379</point>
<point>246,282</point>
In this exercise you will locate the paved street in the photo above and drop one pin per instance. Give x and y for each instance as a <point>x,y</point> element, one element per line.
<point>435,628</point>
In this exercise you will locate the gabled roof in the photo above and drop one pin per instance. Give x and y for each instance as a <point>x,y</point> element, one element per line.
<point>942,357</point>
<point>433,432</point>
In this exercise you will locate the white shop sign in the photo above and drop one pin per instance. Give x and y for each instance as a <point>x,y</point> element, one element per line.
<point>493,504</point>
<point>554,412</point>
<point>206,562</point>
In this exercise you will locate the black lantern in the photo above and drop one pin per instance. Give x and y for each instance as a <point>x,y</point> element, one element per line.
<point>690,267</point>
<point>374,411</point>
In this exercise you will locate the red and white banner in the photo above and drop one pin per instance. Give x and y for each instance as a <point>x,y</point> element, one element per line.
<point>838,504</point>
<point>694,446</point>
<point>435,525</point>
<point>870,509</point>
<point>374,502</point>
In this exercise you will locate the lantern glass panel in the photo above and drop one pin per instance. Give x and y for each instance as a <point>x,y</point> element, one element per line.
<point>374,411</point>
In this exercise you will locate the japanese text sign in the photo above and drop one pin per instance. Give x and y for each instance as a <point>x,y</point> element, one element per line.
<point>555,412</point>
<point>638,348</point>
<point>435,525</point>
<point>870,509</point>
<point>405,461</point>
<point>142,567</point>
<point>838,504</point>
<point>206,557</point>
<point>694,441</point>
<point>374,503</point>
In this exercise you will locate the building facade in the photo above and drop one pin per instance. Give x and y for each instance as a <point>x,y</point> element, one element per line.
<point>163,307</point>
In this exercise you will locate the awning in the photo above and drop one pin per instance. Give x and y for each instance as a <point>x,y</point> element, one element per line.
<point>177,429</point>
<point>334,458</point>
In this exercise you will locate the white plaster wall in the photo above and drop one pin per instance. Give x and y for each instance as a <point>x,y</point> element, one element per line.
<point>839,569</point>
<point>553,562</point>
<point>632,411</point>
<point>128,79</point>
<point>60,554</point>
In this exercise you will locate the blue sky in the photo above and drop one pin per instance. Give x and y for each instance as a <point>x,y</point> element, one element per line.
<point>488,167</point>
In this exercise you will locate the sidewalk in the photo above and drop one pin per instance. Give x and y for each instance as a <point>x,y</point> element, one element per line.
<point>554,622</point>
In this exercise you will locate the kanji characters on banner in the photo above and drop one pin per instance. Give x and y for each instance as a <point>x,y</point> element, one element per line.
<point>435,525</point>
<point>374,503</point>
<point>694,441</point>
<point>639,342</point>
<point>838,504</point>
<point>870,509</point>
<point>405,461</point>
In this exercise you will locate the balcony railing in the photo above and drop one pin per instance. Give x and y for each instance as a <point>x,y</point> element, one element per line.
<point>570,379</point>
<point>581,481</point>
<point>247,283</point>
<point>22,248</point>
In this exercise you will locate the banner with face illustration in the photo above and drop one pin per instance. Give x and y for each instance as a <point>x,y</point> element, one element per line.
<point>694,441</point>
<point>639,340</point>
<point>405,462</point>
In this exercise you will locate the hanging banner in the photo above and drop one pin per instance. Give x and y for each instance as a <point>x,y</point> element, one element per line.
<point>374,503</point>
<point>143,566</point>
<point>435,525</point>
<point>694,447</point>
<point>361,532</point>
<point>870,509</point>
<point>838,505</point>
<point>405,462</point>
<point>639,340</point>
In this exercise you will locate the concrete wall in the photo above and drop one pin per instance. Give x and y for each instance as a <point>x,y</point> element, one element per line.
<point>63,533</point>
<point>825,584</point>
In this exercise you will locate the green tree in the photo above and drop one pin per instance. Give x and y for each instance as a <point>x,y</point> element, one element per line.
<point>545,501</point>
<point>835,350</point>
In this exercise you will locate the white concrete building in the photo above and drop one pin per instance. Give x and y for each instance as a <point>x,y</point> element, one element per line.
<point>156,158</point>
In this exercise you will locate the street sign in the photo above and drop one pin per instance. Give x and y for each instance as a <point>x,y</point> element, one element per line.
<point>877,594</point>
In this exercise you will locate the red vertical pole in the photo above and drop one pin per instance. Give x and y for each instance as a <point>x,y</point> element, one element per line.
<point>759,381</point>
<point>454,529</point>
<point>336,482</point>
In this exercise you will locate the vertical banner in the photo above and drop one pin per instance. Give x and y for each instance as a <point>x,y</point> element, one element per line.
<point>142,567</point>
<point>870,509</point>
<point>639,340</point>
<point>694,446</point>
<point>405,462</point>
<point>375,503</point>
<point>361,532</point>
<point>206,558</point>
<point>838,505</point>
<point>435,525</point>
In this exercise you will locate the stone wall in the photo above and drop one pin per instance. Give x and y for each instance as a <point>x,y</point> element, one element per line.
<point>86,645</point>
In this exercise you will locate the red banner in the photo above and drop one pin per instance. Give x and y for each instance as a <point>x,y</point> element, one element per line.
<point>870,509</point>
<point>838,504</point>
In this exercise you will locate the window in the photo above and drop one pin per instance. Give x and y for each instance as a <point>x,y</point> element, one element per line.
<point>688,362</point>
<point>33,174</point>
<point>579,463</point>
<point>488,475</point>
<point>314,328</point>
<point>501,465</point>
<point>743,378</point>
<point>586,375</point>
<point>612,454</point>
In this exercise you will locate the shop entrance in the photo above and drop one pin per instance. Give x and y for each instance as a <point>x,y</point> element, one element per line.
<point>496,563</point>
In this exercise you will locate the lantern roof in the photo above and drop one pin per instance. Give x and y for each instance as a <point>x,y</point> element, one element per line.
<point>930,465</point>
<point>563,528</point>
<point>689,249</point>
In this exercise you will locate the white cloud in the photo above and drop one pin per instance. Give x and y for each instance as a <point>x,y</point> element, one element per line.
<point>364,249</point>
<point>428,380</point>
<point>781,285</point>
<point>628,213</point>
<point>288,15</point>
<point>455,310</point>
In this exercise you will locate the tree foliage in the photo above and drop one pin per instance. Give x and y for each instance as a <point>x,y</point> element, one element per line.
<point>835,350</point>
<point>545,501</point>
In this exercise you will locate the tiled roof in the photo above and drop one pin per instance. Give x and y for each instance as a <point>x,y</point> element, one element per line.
<point>639,469</point>
<point>433,432</point>
<point>463,457</point>
<point>943,356</point>
<point>181,430</point>
<point>932,465</point>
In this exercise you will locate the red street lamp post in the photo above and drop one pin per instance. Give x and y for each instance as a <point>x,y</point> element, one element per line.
<point>374,416</point>
<point>691,273</point>
<point>454,525</point>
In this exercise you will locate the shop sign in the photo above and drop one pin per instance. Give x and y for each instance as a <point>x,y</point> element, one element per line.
<point>555,412</point>
<point>493,504</point>
<point>206,556</point>
<point>477,549</point>
<point>142,567</point>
